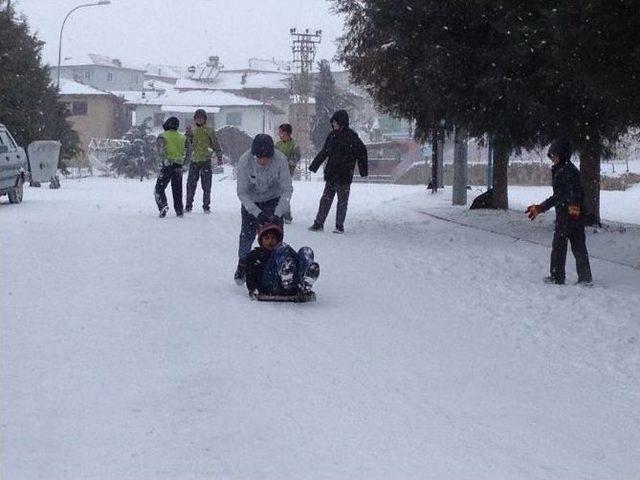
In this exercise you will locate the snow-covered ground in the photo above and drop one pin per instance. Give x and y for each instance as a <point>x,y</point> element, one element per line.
<point>434,350</point>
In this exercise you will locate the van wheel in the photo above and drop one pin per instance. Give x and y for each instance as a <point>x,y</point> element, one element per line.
<point>15,195</point>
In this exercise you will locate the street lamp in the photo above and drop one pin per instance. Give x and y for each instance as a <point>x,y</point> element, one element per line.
<point>101,2</point>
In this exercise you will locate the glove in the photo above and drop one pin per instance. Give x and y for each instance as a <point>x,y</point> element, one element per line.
<point>275,219</point>
<point>574,211</point>
<point>262,218</point>
<point>533,211</point>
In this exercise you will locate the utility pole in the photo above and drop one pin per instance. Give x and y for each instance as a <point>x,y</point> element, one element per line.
<point>304,54</point>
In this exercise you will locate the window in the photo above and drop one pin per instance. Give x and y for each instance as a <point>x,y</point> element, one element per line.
<point>234,118</point>
<point>79,108</point>
<point>158,119</point>
<point>109,76</point>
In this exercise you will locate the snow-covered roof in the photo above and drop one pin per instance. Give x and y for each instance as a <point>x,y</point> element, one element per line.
<point>191,98</point>
<point>100,60</point>
<point>185,109</point>
<point>237,80</point>
<point>71,87</point>
<point>168,71</point>
<point>151,84</point>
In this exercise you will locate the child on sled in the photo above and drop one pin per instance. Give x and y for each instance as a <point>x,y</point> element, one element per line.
<point>275,271</point>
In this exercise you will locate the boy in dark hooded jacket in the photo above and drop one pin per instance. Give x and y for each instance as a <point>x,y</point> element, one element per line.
<point>274,268</point>
<point>342,150</point>
<point>567,199</point>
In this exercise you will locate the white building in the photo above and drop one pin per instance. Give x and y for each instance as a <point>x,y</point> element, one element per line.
<point>223,108</point>
<point>101,72</point>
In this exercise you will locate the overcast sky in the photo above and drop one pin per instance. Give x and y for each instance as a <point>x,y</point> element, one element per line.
<point>181,32</point>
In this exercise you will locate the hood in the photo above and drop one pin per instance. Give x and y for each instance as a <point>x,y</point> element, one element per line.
<point>342,118</point>
<point>270,227</point>
<point>562,148</point>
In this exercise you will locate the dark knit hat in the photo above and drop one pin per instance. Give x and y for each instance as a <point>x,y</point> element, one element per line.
<point>171,123</point>
<point>200,113</point>
<point>270,227</point>
<point>262,146</point>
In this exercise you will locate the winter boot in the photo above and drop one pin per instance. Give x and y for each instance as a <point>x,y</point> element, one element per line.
<point>310,276</point>
<point>240,275</point>
<point>316,227</point>
<point>188,208</point>
<point>163,211</point>
<point>206,209</point>
<point>338,229</point>
<point>553,281</point>
<point>286,272</point>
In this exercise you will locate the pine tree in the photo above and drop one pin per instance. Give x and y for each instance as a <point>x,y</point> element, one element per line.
<point>29,104</point>
<point>137,158</point>
<point>234,142</point>
<point>328,100</point>
<point>518,72</point>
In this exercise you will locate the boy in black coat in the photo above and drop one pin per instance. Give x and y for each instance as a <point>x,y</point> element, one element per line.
<point>567,199</point>
<point>274,268</point>
<point>342,149</point>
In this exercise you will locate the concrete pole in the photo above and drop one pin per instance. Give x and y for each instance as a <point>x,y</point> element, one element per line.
<point>460,176</point>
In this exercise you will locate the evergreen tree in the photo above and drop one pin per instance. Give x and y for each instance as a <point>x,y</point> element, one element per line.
<point>234,142</point>
<point>328,100</point>
<point>29,104</point>
<point>520,72</point>
<point>138,157</point>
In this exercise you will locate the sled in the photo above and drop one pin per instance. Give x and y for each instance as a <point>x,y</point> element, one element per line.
<point>297,298</point>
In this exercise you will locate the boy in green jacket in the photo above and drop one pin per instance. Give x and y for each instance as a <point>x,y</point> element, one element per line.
<point>172,153</point>
<point>290,149</point>
<point>202,140</point>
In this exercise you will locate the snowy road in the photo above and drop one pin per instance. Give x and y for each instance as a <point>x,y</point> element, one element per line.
<point>433,351</point>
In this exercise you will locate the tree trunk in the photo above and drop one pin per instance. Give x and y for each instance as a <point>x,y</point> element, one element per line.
<point>590,177</point>
<point>500,176</point>
<point>460,168</point>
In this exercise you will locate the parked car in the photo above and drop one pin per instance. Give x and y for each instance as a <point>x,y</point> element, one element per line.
<point>13,166</point>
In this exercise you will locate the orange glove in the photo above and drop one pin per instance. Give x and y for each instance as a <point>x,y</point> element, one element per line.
<point>532,211</point>
<point>574,211</point>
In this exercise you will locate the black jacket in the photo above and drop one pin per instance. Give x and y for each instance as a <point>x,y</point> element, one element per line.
<point>567,189</point>
<point>256,261</point>
<point>342,149</point>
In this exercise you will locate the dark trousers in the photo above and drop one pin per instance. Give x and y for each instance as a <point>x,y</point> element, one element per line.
<point>250,226</point>
<point>285,270</point>
<point>200,170</point>
<point>332,188</point>
<point>171,173</point>
<point>572,231</point>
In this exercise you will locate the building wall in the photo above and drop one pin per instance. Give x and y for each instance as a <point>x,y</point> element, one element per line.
<point>103,77</point>
<point>99,121</point>
<point>250,118</point>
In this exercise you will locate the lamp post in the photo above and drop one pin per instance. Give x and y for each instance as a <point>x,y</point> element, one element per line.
<point>101,2</point>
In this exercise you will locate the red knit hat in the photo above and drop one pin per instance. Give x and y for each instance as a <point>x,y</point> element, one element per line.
<point>270,227</point>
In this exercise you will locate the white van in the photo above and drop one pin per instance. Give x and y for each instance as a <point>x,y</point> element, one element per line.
<point>13,166</point>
